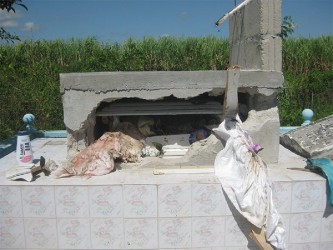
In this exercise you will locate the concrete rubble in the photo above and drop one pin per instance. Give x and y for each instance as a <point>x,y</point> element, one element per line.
<point>311,141</point>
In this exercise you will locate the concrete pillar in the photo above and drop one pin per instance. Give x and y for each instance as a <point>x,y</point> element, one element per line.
<point>254,36</point>
<point>255,44</point>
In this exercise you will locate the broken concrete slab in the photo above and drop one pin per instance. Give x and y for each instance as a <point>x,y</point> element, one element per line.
<point>263,126</point>
<point>203,152</point>
<point>312,141</point>
<point>90,89</point>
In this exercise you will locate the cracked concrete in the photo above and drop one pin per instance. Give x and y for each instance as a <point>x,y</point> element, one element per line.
<point>255,46</point>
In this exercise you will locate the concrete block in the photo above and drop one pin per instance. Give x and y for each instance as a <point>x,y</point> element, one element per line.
<point>271,53</point>
<point>263,126</point>
<point>254,36</point>
<point>271,17</point>
<point>258,54</point>
<point>311,141</point>
<point>246,54</point>
<point>76,141</point>
<point>258,17</point>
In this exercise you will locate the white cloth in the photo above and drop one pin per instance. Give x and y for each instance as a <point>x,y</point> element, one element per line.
<point>243,175</point>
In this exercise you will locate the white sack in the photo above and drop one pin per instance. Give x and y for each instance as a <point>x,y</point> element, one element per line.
<point>243,175</point>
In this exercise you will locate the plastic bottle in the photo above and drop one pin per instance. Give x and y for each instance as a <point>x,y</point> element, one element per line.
<point>24,154</point>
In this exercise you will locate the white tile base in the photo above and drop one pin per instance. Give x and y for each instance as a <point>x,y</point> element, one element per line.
<point>152,216</point>
<point>136,210</point>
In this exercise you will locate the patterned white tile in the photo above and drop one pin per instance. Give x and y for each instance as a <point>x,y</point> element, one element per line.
<point>306,246</point>
<point>11,233</point>
<point>73,233</point>
<point>38,201</point>
<point>140,201</point>
<point>194,248</point>
<point>326,246</point>
<point>208,231</point>
<point>10,201</point>
<point>281,192</point>
<point>174,232</point>
<point>182,249</point>
<point>237,231</point>
<point>107,233</point>
<point>308,196</point>
<point>141,233</point>
<point>296,176</point>
<point>229,208</point>
<point>71,201</point>
<point>327,228</point>
<point>305,227</point>
<point>207,248</point>
<point>241,248</point>
<point>208,200</point>
<point>41,233</point>
<point>174,200</point>
<point>106,201</point>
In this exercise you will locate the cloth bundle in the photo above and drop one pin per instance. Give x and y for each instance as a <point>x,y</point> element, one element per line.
<point>244,178</point>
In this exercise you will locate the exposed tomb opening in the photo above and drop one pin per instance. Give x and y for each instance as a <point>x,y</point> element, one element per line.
<point>166,121</point>
<point>141,118</point>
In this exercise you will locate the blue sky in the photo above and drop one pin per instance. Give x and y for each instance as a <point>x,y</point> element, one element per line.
<point>118,20</point>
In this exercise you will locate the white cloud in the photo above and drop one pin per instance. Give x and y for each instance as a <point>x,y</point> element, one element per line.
<point>184,15</point>
<point>5,15</point>
<point>11,20</point>
<point>9,24</point>
<point>30,26</point>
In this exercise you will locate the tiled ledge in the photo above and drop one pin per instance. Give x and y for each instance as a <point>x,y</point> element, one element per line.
<point>134,209</point>
<point>142,173</point>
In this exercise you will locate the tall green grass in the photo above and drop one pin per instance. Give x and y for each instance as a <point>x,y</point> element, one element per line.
<point>302,55</point>
<point>308,71</point>
<point>29,72</point>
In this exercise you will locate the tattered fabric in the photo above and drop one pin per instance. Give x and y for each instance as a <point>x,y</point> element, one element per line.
<point>243,175</point>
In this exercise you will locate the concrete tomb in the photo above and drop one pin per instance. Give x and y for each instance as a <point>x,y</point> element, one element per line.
<point>144,206</point>
<point>94,102</point>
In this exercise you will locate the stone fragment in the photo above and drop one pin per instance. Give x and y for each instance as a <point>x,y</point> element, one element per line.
<point>263,126</point>
<point>203,152</point>
<point>311,141</point>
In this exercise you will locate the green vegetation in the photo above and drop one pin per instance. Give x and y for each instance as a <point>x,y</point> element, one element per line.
<point>29,72</point>
<point>308,71</point>
<point>288,27</point>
